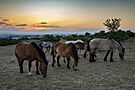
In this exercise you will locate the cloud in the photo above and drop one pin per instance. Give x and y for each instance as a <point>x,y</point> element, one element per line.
<point>43,23</point>
<point>51,26</point>
<point>2,23</point>
<point>6,20</point>
<point>21,25</point>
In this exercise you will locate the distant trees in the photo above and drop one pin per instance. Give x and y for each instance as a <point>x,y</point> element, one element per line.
<point>112,24</point>
<point>87,34</point>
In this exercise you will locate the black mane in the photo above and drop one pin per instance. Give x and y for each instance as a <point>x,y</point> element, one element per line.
<point>119,42</point>
<point>40,51</point>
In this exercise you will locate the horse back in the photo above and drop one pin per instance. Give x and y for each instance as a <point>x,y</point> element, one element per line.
<point>62,49</point>
<point>25,51</point>
<point>102,44</point>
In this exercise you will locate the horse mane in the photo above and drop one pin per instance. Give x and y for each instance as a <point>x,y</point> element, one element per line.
<point>74,51</point>
<point>40,51</point>
<point>118,42</point>
<point>123,49</point>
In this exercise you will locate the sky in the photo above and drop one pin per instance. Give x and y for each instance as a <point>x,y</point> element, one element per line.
<point>44,15</point>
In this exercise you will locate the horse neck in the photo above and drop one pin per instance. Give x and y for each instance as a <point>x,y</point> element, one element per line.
<point>40,55</point>
<point>74,51</point>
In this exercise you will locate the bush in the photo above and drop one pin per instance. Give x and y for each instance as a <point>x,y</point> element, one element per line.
<point>5,42</point>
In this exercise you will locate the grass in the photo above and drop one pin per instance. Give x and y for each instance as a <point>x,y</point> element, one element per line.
<point>118,75</point>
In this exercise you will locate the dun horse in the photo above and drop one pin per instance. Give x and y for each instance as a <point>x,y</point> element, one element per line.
<point>61,49</point>
<point>108,45</point>
<point>30,52</point>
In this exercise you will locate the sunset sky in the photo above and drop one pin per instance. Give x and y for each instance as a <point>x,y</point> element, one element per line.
<point>64,14</point>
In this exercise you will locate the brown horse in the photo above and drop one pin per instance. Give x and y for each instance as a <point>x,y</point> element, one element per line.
<point>31,51</point>
<point>66,51</point>
<point>80,45</point>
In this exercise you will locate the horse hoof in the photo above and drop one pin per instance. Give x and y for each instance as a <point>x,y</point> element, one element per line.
<point>84,56</point>
<point>111,61</point>
<point>37,73</point>
<point>64,61</point>
<point>59,65</point>
<point>94,60</point>
<point>68,67</point>
<point>21,72</point>
<point>105,60</point>
<point>52,65</point>
<point>74,68</point>
<point>44,76</point>
<point>90,61</point>
<point>29,73</point>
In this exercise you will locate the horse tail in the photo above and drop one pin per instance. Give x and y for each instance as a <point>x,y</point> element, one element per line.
<point>16,53</point>
<point>74,52</point>
<point>40,45</point>
<point>52,51</point>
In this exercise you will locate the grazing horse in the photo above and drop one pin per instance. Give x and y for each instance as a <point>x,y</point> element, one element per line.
<point>46,45</point>
<point>108,45</point>
<point>60,49</point>
<point>30,52</point>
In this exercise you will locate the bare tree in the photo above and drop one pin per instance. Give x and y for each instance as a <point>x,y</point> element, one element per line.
<point>112,24</point>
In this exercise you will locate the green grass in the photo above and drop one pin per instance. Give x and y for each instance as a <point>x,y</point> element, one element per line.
<point>118,75</point>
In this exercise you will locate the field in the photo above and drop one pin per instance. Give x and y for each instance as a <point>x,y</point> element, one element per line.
<point>118,75</point>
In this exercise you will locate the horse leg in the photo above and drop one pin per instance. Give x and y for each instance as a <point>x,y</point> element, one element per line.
<point>105,58</point>
<point>64,60</point>
<point>84,55</point>
<point>37,70</point>
<point>29,65</point>
<point>68,62</point>
<point>53,61</point>
<point>93,57</point>
<point>90,57</point>
<point>111,56</point>
<point>21,65</point>
<point>58,63</point>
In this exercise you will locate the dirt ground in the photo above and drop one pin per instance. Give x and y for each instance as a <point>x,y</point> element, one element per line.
<point>118,75</point>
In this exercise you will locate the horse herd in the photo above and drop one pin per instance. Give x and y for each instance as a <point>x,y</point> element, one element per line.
<point>66,49</point>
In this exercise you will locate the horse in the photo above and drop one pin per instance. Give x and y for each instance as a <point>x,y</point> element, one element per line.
<point>46,45</point>
<point>105,45</point>
<point>86,48</point>
<point>60,49</point>
<point>30,52</point>
<point>80,45</point>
